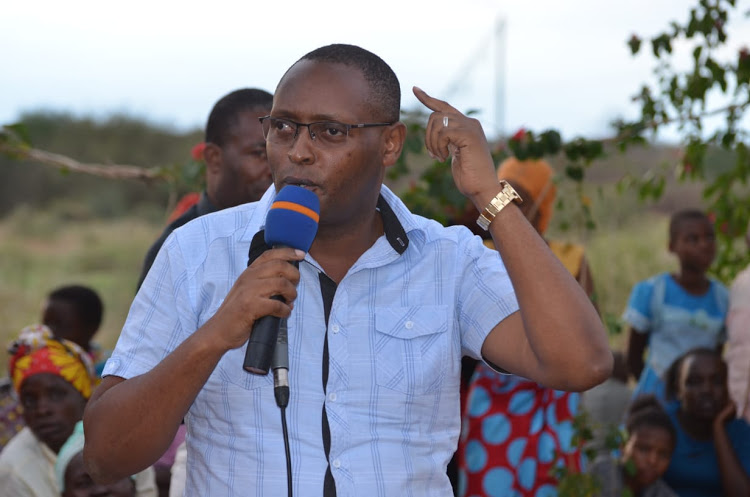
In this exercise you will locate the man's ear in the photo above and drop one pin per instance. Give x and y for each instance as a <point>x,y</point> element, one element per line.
<point>212,156</point>
<point>393,143</point>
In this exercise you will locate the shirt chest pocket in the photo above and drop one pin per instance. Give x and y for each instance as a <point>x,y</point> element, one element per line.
<point>411,348</point>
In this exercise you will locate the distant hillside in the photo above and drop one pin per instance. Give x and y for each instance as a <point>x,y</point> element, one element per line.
<point>127,140</point>
<point>118,139</point>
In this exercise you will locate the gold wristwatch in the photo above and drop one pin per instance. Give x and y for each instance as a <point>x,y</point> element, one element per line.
<point>507,195</point>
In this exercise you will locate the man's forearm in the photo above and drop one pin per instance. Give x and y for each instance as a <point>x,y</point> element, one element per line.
<point>130,423</point>
<point>565,335</point>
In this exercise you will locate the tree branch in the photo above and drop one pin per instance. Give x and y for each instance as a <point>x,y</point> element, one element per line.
<point>111,171</point>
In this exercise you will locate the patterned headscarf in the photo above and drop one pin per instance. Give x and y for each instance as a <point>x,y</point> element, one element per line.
<point>36,350</point>
<point>534,176</point>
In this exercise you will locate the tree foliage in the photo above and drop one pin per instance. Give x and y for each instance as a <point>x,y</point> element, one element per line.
<point>707,103</point>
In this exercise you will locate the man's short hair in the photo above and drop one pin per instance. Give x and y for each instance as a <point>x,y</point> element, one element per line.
<point>86,302</point>
<point>224,115</point>
<point>384,86</point>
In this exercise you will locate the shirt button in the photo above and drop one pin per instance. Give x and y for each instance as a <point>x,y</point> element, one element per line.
<point>335,328</point>
<point>332,396</point>
<point>336,463</point>
<point>409,325</point>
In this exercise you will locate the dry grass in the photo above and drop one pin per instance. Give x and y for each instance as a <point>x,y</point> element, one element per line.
<point>39,251</point>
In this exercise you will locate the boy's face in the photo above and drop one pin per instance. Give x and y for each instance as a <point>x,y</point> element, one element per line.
<point>62,318</point>
<point>649,448</point>
<point>694,244</point>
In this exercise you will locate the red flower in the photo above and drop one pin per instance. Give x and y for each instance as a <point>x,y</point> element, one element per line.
<point>711,217</point>
<point>520,134</point>
<point>197,151</point>
<point>687,167</point>
<point>724,227</point>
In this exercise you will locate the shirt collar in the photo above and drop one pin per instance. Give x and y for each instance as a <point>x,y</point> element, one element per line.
<point>388,204</point>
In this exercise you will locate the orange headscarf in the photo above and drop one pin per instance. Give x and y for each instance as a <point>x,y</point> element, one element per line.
<point>37,351</point>
<point>534,176</point>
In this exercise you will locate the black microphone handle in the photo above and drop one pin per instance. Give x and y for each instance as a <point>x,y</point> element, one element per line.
<point>262,343</point>
<point>281,351</point>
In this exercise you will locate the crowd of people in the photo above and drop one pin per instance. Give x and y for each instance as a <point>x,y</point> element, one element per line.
<point>423,359</point>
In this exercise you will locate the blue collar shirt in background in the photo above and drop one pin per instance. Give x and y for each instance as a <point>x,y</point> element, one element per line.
<point>400,320</point>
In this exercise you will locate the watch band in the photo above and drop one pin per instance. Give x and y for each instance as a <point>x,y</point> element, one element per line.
<point>507,195</point>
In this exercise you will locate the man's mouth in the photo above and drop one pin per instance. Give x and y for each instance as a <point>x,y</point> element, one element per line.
<point>303,183</point>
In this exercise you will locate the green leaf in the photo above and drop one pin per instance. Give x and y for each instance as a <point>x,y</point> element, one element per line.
<point>574,172</point>
<point>635,44</point>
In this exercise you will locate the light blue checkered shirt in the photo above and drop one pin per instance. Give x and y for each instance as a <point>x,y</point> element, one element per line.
<point>398,327</point>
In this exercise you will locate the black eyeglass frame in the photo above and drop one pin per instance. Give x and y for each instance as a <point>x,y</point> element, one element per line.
<point>309,132</point>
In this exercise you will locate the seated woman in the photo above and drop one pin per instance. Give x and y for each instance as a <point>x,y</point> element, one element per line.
<point>712,454</point>
<point>645,456</point>
<point>53,378</point>
<point>73,479</point>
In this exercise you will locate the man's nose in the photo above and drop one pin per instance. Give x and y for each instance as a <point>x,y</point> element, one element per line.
<point>302,148</point>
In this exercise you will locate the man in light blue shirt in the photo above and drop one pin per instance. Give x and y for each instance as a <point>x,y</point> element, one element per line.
<point>380,312</point>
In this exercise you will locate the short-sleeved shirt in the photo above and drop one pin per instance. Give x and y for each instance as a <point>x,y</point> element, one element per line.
<point>676,320</point>
<point>694,469</point>
<point>399,322</point>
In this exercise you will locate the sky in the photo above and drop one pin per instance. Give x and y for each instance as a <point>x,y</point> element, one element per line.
<point>536,64</point>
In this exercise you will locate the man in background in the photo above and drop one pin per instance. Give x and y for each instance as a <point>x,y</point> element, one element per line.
<point>235,154</point>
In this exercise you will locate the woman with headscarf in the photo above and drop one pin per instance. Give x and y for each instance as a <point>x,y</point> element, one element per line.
<point>53,379</point>
<point>515,431</point>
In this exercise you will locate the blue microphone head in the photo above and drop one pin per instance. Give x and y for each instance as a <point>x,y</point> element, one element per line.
<point>293,218</point>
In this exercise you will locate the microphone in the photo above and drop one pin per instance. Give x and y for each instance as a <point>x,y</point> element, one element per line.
<point>292,221</point>
<point>280,366</point>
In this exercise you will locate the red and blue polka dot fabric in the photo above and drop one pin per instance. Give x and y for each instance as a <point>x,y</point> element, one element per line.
<point>515,432</point>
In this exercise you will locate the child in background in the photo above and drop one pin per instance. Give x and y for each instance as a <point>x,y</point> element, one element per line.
<point>74,481</point>
<point>646,454</point>
<point>74,312</point>
<point>672,313</point>
<point>712,454</point>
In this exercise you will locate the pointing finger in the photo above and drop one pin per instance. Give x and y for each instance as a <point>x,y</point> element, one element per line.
<point>432,103</point>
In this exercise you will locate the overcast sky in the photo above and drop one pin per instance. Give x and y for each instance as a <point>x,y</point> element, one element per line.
<point>567,65</point>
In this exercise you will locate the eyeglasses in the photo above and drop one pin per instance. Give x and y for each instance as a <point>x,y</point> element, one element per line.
<point>284,131</point>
